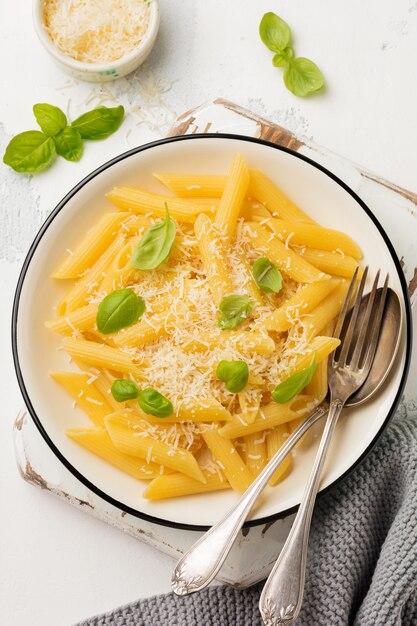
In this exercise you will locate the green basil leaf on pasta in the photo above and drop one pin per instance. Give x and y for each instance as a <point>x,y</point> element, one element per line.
<point>274,32</point>
<point>292,386</point>
<point>234,374</point>
<point>267,276</point>
<point>154,403</point>
<point>68,144</point>
<point>156,244</point>
<point>118,310</point>
<point>123,390</point>
<point>302,77</point>
<point>50,118</point>
<point>99,123</point>
<point>31,151</point>
<point>234,310</point>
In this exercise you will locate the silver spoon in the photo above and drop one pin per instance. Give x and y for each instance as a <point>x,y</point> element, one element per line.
<point>199,566</point>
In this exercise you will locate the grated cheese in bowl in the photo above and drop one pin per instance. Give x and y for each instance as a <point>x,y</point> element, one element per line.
<point>97,40</point>
<point>96,31</point>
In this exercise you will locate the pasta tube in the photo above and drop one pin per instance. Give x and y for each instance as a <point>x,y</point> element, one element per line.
<point>99,443</point>
<point>176,485</point>
<point>235,470</point>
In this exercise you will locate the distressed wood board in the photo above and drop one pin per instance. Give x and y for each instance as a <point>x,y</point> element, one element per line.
<point>257,547</point>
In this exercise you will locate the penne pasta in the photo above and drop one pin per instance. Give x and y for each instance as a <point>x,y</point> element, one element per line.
<point>213,256</point>
<point>176,485</point>
<point>99,443</point>
<point>84,392</point>
<point>275,439</point>
<point>232,197</point>
<point>318,386</point>
<point>320,346</point>
<point>163,409</point>
<point>83,289</point>
<point>270,416</point>
<point>325,312</point>
<point>193,185</point>
<point>207,410</point>
<point>248,342</point>
<point>330,262</point>
<point>304,301</point>
<point>264,190</point>
<point>91,247</point>
<point>141,445</point>
<point>143,202</point>
<point>255,453</point>
<point>231,463</point>
<point>101,355</point>
<point>286,259</point>
<point>120,269</point>
<point>250,404</point>
<point>79,320</point>
<point>314,236</point>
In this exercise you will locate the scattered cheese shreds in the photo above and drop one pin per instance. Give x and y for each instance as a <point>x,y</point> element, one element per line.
<point>96,31</point>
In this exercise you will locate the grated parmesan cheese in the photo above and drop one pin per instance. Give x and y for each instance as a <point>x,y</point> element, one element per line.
<point>96,31</point>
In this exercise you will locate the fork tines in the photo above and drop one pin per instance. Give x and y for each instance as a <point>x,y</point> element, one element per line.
<point>357,350</point>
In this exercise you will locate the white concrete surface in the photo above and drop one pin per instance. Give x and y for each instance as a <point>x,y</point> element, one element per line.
<point>57,565</point>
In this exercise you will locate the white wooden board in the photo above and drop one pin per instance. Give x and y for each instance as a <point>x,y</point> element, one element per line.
<point>256,547</point>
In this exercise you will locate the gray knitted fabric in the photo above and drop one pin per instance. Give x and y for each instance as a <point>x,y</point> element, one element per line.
<point>362,562</point>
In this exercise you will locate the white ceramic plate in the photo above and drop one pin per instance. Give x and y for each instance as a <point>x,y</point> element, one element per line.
<point>318,192</point>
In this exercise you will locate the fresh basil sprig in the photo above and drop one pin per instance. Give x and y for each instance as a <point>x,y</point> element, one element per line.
<point>68,144</point>
<point>118,310</point>
<point>234,374</point>
<point>301,76</point>
<point>50,118</point>
<point>234,310</point>
<point>267,276</point>
<point>156,244</point>
<point>123,390</point>
<point>99,123</point>
<point>33,150</point>
<point>292,386</point>
<point>154,403</point>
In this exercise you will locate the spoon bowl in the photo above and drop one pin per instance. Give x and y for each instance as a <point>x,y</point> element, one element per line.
<point>389,341</point>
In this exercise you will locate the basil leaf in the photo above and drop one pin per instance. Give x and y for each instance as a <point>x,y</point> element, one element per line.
<point>99,123</point>
<point>281,58</point>
<point>119,309</point>
<point>156,244</point>
<point>234,373</point>
<point>274,32</point>
<point>267,276</point>
<point>234,310</point>
<point>31,151</point>
<point>292,386</point>
<point>68,144</point>
<point>302,77</point>
<point>154,403</point>
<point>123,390</point>
<point>51,119</point>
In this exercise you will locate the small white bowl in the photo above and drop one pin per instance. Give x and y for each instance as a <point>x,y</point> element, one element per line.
<point>100,72</point>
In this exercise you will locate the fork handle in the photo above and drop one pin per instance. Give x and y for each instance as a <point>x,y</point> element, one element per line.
<point>200,564</point>
<point>282,595</point>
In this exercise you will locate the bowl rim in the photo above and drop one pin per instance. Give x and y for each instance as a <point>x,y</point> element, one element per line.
<point>148,146</point>
<point>144,47</point>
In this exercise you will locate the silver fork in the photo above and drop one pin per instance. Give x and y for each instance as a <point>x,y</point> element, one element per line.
<point>282,595</point>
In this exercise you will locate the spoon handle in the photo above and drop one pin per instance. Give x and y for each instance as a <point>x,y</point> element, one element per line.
<point>282,595</point>
<point>200,564</point>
